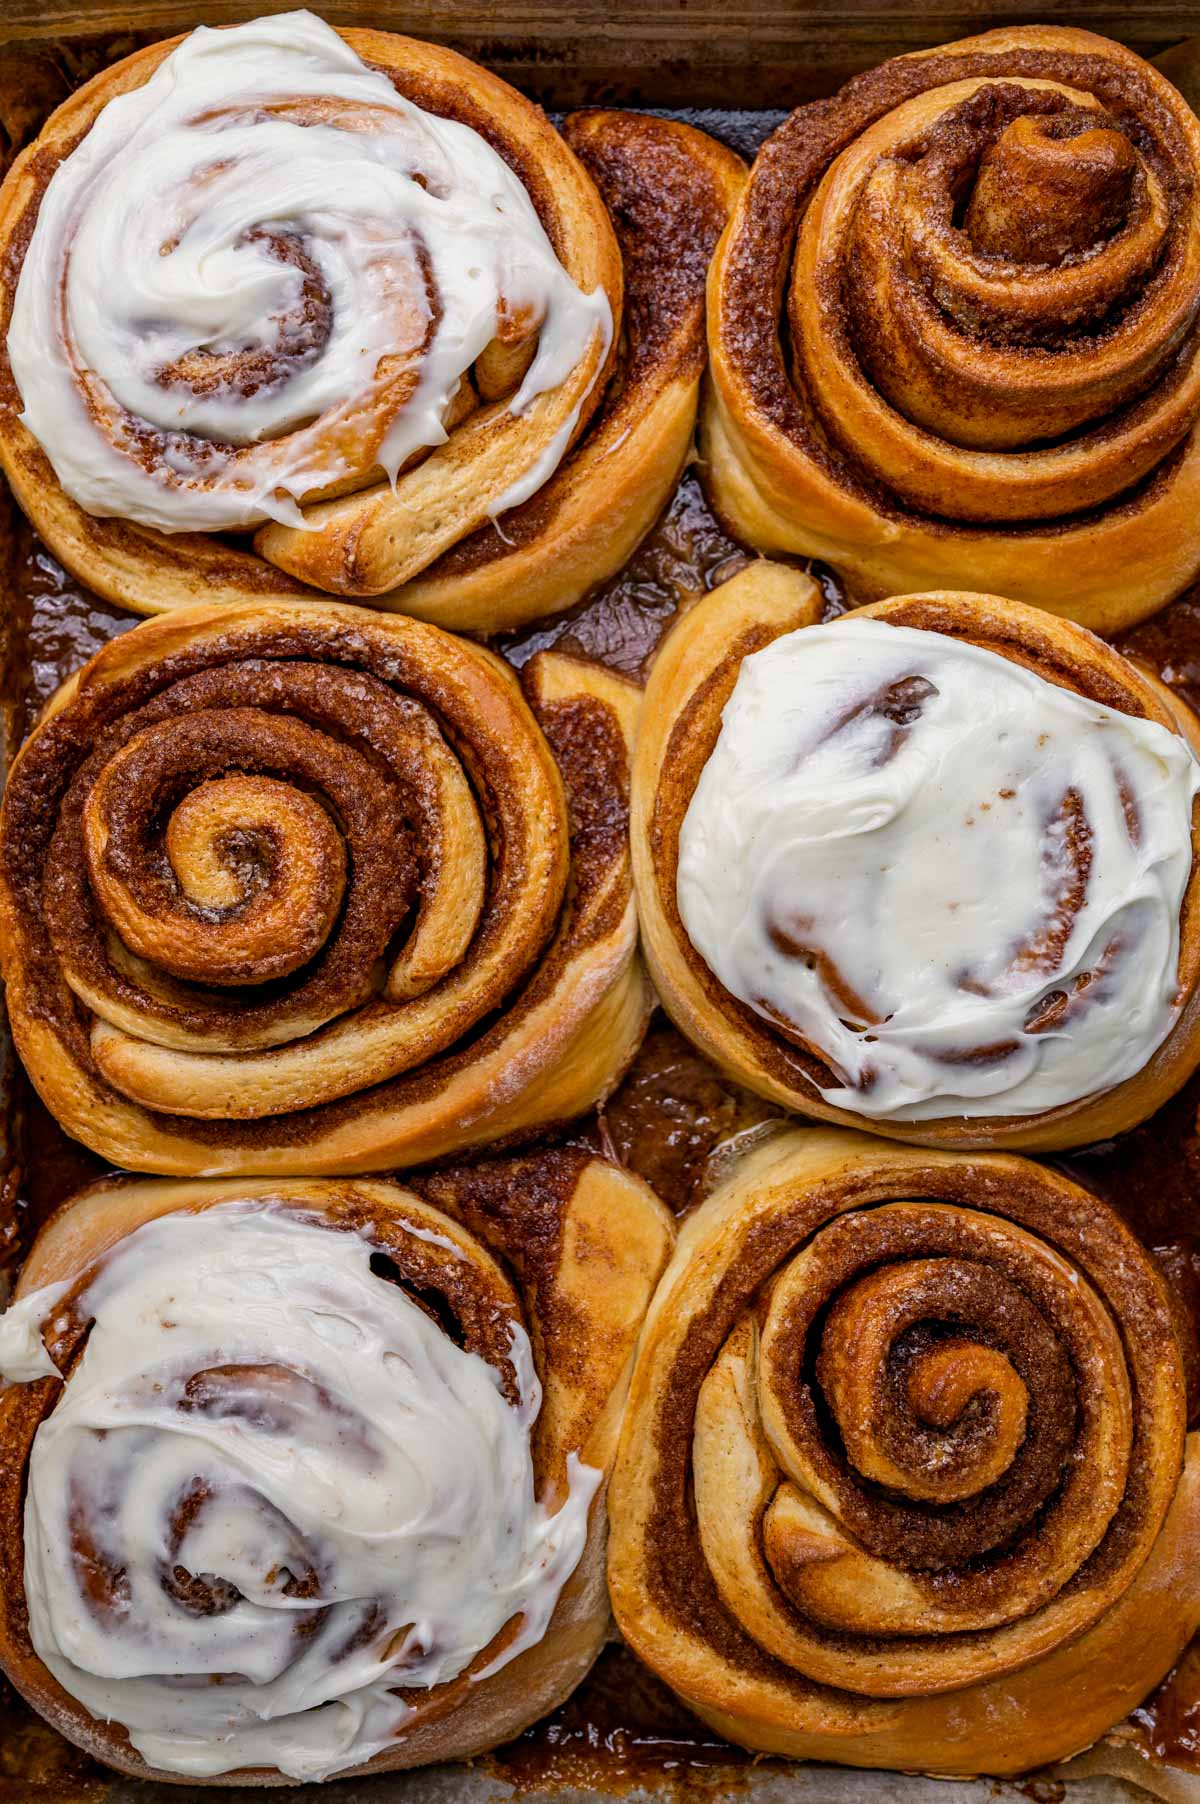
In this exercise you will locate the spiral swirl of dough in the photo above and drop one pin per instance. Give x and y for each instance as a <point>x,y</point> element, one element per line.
<point>904,1456</point>
<point>989,263</point>
<point>312,893</point>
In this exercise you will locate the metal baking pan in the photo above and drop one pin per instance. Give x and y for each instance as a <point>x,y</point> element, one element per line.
<point>732,68</point>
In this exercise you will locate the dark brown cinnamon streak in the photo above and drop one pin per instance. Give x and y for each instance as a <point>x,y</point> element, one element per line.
<point>309,889</point>
<point>986,262</point>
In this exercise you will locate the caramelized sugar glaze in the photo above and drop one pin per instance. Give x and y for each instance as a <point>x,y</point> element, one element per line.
<point>675,1120</point>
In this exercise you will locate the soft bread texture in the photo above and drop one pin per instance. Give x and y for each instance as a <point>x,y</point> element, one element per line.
<point>1013,1496</point>
<point>633,206</point>
<point>305,888</point>
<point>582,1242</point>
<point>689,685</point>
<point>1003,398</point>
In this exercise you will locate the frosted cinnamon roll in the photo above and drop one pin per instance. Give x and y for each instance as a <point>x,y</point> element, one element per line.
<point>931,866</point>
<point>311,889</point>
<point>369,302</point>
<point>904,1479</point>
<point>302,1480</point>
<point>985,260</point>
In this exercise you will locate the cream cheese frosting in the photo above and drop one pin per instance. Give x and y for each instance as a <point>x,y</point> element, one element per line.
<point>957,882</point>
<point>23,1353</point>
<point>257,1412</point>
<point>188,232</point>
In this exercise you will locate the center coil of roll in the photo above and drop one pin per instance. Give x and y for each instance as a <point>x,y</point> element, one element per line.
<point>267,848</point>
<point>993,299</point>
<point>949,1413</point>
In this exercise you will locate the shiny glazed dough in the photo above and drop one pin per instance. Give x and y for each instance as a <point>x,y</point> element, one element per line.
<point>960,882</point>
<point>371,1464</point>
<point>309,264</point>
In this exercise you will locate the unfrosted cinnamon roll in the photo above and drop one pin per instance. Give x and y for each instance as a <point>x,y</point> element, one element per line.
<point>369,302</point>
<point>305,888</point>
<point>320,1486</point>
<point>931,866</point>
<point>985,260</point>
<point>903,1479</point>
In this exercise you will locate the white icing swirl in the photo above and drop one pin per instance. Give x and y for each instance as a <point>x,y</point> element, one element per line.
<point>23,1353</point>
<point>359,1499</point>
<point>258,164</point>
<point>957,882</point>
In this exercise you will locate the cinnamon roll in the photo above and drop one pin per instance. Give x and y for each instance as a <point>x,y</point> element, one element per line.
<point>369,322</point>
<point>308,889</point>
<point>931,866</point>
<point>307,1479</point>
<point>904,1478</point>
<point>985,262</point>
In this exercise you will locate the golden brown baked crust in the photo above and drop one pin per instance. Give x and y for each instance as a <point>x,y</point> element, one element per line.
<point>650,195</point>
<point>302,888</point>
<point>689,684</point>
<point>583,1244</point>
<point>931,1412</point>
<point>988,260</point>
